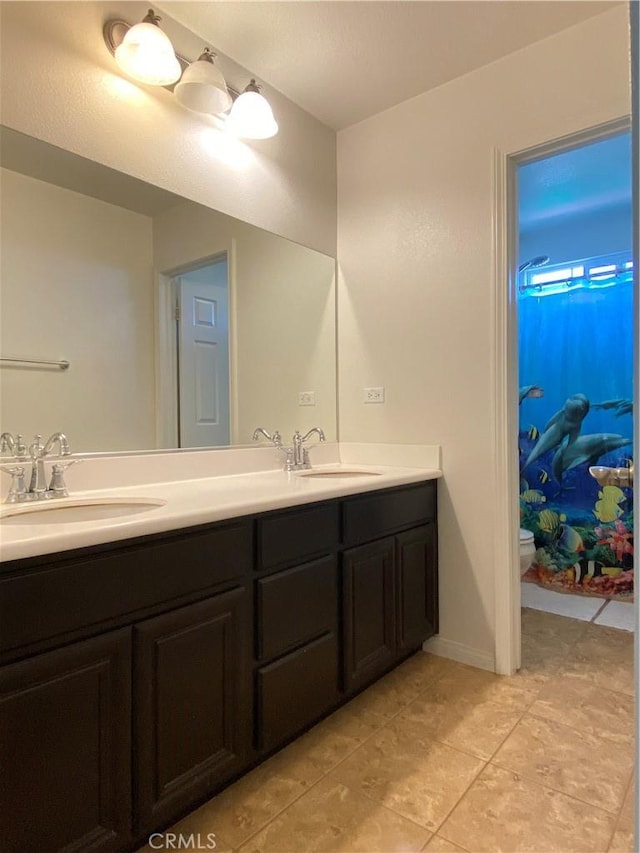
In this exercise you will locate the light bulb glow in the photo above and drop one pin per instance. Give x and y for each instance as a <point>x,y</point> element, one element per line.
<point>203,89</point>
<point>251,117</point>
<point>147,55</point>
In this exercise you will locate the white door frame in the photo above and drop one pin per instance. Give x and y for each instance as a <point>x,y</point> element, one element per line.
<point>167,348</point>
<point>504,372</point>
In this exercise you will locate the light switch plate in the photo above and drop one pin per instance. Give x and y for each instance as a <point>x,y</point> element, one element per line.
<point>307,398</point>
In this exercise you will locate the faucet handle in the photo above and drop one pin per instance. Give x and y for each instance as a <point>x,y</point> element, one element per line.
<point>21,447</point>
<point>17,489</point>
<point>57,484</point>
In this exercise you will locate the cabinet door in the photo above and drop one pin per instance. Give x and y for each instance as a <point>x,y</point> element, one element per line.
<point>65,752</point>
<point>369,611</point>
<point>416,557</point>
<point>192,720</point>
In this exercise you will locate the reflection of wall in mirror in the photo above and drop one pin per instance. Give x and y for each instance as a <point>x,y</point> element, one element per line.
<point>283,302</point>
<point>77,283</point>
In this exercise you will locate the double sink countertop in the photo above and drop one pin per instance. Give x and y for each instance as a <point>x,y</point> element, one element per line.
<point>215,486</point>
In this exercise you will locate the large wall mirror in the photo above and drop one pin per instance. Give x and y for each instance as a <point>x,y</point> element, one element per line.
<point>183,327</point>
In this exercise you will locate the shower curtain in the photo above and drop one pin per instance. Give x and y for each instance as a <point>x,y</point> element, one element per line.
<point>576,410</point>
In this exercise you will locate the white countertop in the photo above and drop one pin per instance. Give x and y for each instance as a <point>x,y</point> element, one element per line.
<point>193,502</point>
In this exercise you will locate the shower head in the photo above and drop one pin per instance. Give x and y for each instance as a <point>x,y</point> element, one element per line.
<point>538,261</point>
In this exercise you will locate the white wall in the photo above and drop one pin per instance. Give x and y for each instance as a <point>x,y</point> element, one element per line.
<point>415,287</point>
<point>60,84</point>
<point>284,317</point>
<point>77,284</point>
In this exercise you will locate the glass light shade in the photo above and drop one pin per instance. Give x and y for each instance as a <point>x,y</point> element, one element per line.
<point>147,55</point>
<point>252,117</point>
<point>203,88</point>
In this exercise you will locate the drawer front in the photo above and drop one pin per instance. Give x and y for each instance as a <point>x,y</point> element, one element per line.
<point>374,515</point>
<point>291,537</point>
<point>295,691</point>
<point>296,605</point>
<point>86,591</point>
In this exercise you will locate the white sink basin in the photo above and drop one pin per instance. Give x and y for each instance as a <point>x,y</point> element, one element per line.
<point>62,511</point>
<point>324,475</point>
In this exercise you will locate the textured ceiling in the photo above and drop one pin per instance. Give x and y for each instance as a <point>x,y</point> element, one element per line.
<point>345,61</point>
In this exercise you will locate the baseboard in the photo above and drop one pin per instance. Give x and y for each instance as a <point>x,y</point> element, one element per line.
<point>460,652</point>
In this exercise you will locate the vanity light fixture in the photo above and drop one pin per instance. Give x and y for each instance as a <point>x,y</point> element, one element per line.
<point>202,87</point>
<point>251,115</point>
<point>145,53</point>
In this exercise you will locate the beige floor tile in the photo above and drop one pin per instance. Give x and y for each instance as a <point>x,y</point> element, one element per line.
<point>392,693</point>
<point>604,656</point>
<point>504,813</point>
<point>581,705</point>
<point>422,669</point>
<point>331,818</point>
<point>245,807</point>
<point>576,763</point>
<point>623,840</point>
<point>477,728</point>
<point>550,628</point>
<point>440,845</point>
<point>314,754</point>
<point>467,683</point>
<point>410,773</point>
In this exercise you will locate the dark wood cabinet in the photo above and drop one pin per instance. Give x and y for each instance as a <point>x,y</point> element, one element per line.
<point>417,585</point>
<point>140,677</point>
<point>368,576</point>
<point>65,732</point>
<point>192,720</point>
<point>296,690</point>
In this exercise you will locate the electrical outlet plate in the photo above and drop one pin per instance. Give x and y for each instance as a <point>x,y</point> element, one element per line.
<point>373,395</point>
<point>306,398</point>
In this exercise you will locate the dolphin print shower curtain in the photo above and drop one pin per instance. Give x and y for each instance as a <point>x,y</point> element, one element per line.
<point>576,411</point>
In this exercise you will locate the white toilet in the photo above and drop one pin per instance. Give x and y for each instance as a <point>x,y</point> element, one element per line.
<point>527,550</point>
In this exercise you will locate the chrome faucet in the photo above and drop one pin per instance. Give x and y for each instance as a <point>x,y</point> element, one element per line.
<point>15,446</point>
<point>37,489</point>
<point>275,437</point>
<point>38,484</point>
<point>300,453</point>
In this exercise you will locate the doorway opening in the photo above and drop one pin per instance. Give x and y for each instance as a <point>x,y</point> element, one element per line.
<point>575,355</point>
<point>202,337</point>
<point>194,396</point>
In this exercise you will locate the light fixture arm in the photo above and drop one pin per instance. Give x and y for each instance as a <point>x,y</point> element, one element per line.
<point>152,18</point>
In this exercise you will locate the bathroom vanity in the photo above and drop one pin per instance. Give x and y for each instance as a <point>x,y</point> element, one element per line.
<point>141,676</point>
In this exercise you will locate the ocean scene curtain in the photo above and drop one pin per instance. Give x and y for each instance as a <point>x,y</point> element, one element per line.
<point>576,411</point>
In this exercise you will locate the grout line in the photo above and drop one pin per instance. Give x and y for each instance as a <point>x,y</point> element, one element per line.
<point>600,611</point>
<point>548,787</point>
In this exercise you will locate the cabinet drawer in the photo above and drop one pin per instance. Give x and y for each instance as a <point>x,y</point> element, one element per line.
<point>291,537</point>
<point>296,690</point>
<point>296,605</point>
<point>76,593</point>
<point>375,515</point>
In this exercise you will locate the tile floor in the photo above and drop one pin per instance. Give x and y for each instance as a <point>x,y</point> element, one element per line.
<point>602,611</point>
<point>441,757</point>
